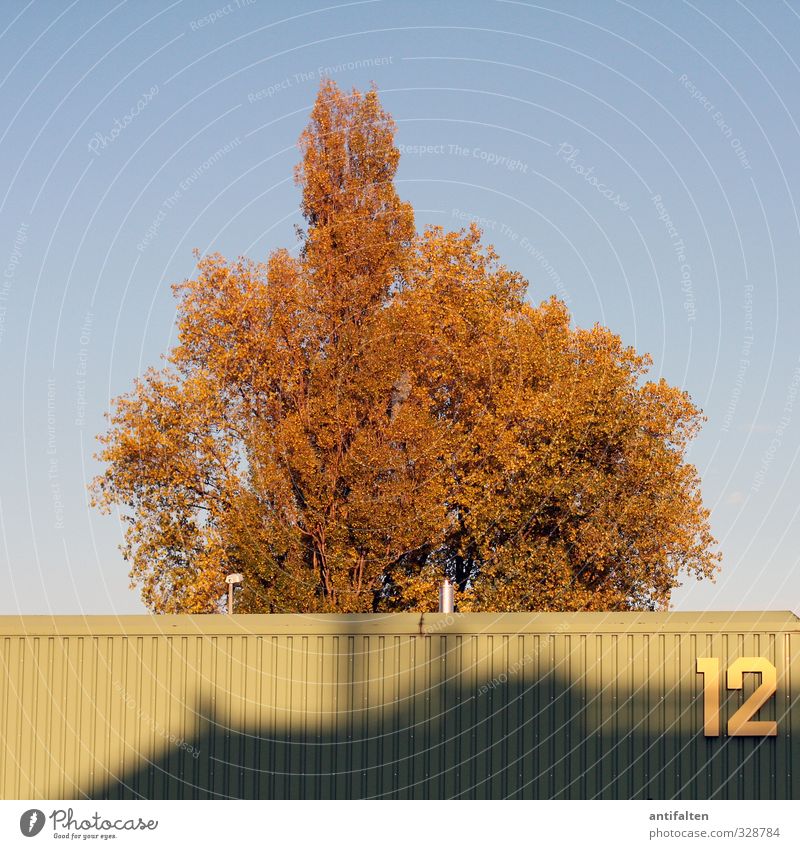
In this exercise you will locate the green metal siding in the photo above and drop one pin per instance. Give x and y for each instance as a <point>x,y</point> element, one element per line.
<point>514,705</point>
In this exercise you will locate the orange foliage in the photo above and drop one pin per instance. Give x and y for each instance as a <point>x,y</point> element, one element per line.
<point>351,426</point>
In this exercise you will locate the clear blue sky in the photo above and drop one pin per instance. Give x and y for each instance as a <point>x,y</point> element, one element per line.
<point>639,159</point>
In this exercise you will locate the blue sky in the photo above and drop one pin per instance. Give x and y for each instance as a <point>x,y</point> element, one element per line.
<point>638,159</point>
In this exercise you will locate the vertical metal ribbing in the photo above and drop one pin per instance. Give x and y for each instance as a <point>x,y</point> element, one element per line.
<point>286,696</point>
<point>151,722</point>
<point>671,674</point>
<point>692,697</point>
<point>298,718</point>
<point>318,725</point>
<point>271,674</point>
<point>764,755</point>
<point>33,741</point>
<point>613,780</point>
<point>580,787</point>
<point>405,747</point>
<point>683,707</point>
<point>661,669</point>
<point>214,717</point>
<point>784,710</point>
<point>179,649</point>
<point>518,751</point>
<point>549,714</point>
<point>259,713</point>
<point>247,745</point>
<point>101,748</point>
<point>363,670</point>
<point>438,740</point>
<point>379,742</point>
<point>428,682</point>
<point>700,777</point>
<point>397,716</point>
<point>450,715</point>
<point>499,724</point>
<point>484,703</point>
<point>598,691</point>
<point>607,769</point>
<point>25,727</point>
<point>96,713</point>
<point>5,718</point>
<point>535,699</point>
<point>380,713</point>
<point>793,714</point>
<point>563,716</point>
<point>470,771</point>
<point>349,708</point>
<point>414,716</point>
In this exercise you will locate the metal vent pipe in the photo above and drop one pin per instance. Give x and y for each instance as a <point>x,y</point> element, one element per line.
<point>446,597</point>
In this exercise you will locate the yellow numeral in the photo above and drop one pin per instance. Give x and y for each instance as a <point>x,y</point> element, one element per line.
<point>741,724</point>
<point>708,667</point>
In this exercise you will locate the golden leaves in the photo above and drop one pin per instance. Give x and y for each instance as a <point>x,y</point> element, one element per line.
<point>349,427</point>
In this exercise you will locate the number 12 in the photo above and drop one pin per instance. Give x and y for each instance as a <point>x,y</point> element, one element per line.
<point>741,724</point>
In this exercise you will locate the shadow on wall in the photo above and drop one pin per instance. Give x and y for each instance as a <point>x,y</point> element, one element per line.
<point>500,716</point>
<point>480,706</point>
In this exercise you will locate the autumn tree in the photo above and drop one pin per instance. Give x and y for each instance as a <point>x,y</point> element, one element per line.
<point>350,426</point>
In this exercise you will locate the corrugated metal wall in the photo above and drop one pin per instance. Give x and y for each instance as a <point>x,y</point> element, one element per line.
<point>402,706</point>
